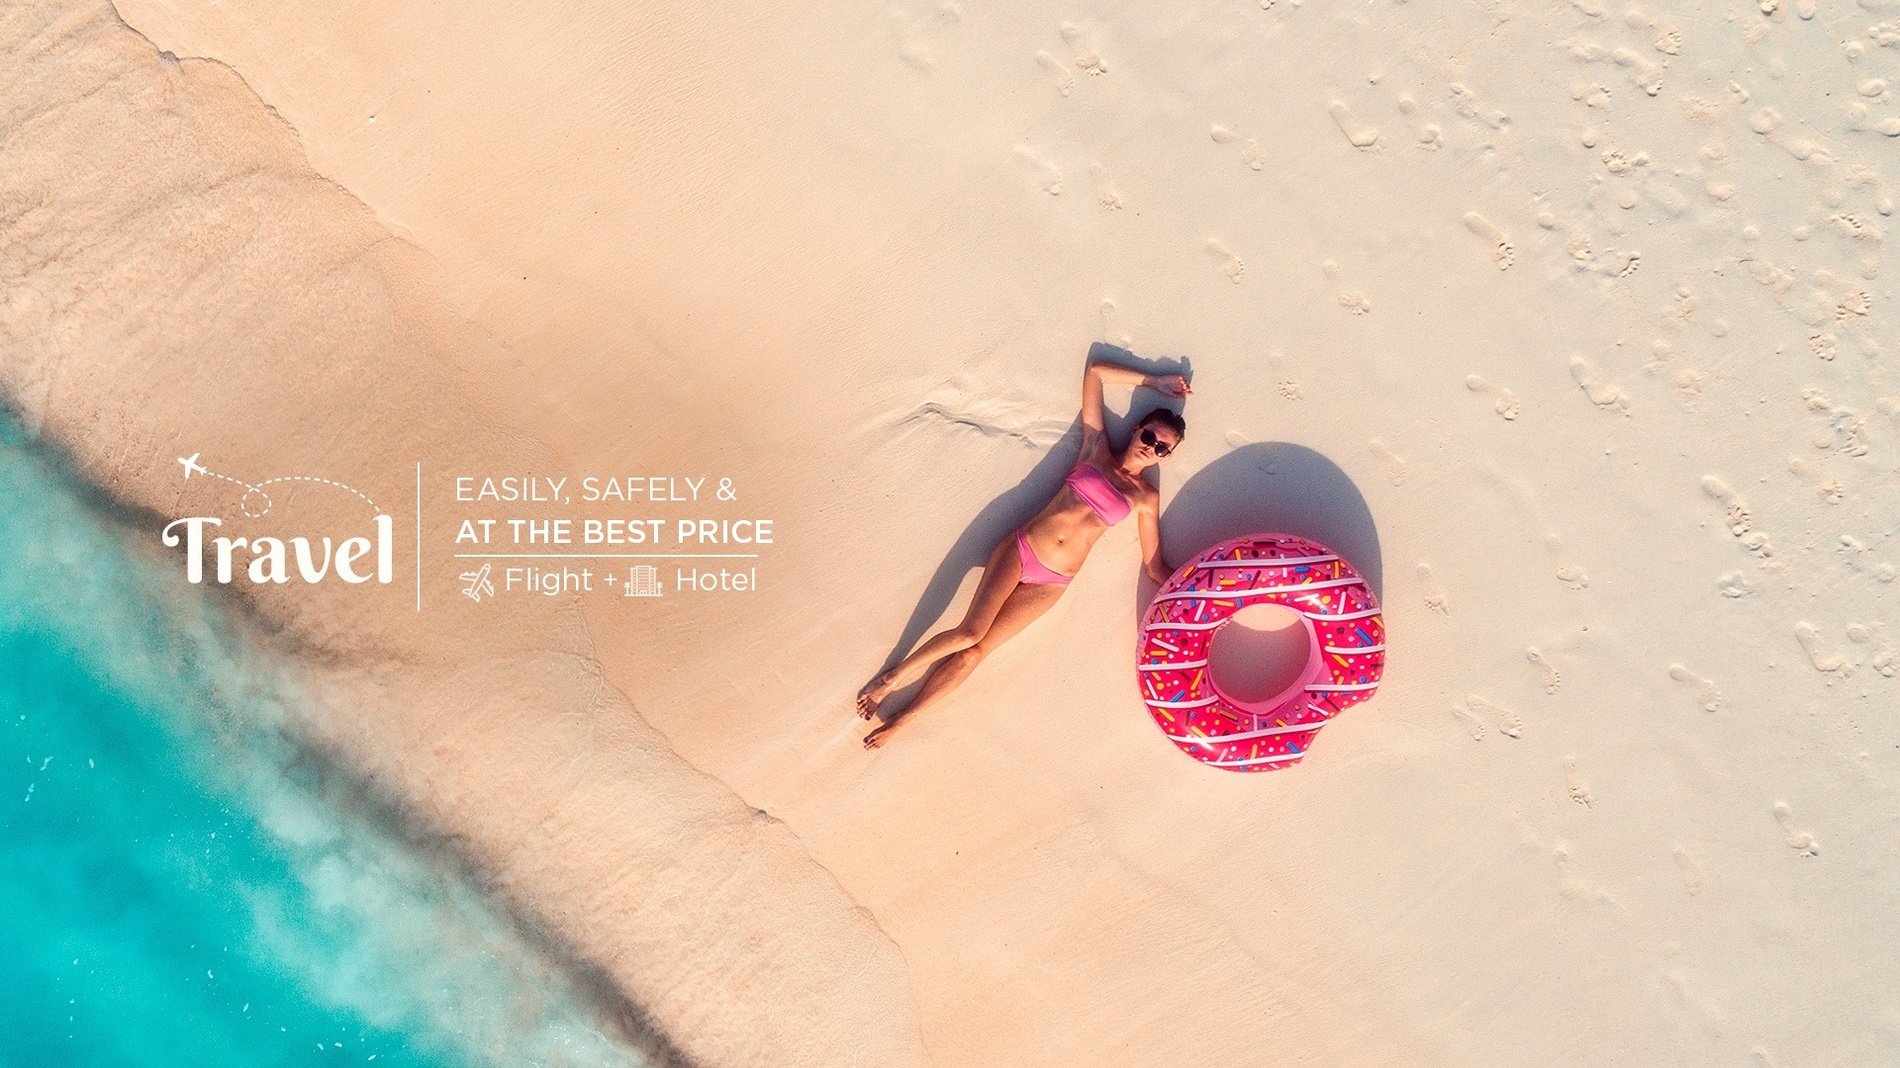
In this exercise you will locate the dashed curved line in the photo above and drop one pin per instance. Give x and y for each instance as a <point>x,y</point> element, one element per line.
<point>257,488</point>
<point>311,478</point>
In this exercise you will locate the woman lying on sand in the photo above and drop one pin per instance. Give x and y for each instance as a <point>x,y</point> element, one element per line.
<point>1027,571</point>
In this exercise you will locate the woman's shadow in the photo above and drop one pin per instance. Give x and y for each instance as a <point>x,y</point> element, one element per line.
<point>1271,487</point>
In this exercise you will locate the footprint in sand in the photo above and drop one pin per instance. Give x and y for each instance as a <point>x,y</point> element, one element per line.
<point>913,37</point>
<point>1818,655</point>
<point>1845,433</point>
<point>1105,193</point>
<point>1605,395</point>
<point>1109,315</point>
<point>1568,574</point>
<point>1064,77</point>
<point>1799,841</point>
<point>1857,304</point>
<point>1504,402</point>
<point>1286,387</point>
<point>1642,73</point>
<point>1502,253</point>
<point>1574,786</point>
<point>1737,518</point>
<point>1692,878</point>
<point>1883,661</point>
<point>1577,889</point>
<point>1086,55</point>
<point>1230,263</point>
<point>1864,633</point>
<point>1618,162</point>
<point>1735,584</point>
<point>1508,723</point>
<point>1048,178</point>
<point>1553,679</point>
<point>1395,464</point>
<point>1582,252</point>
<point>1472,724</point>
<point>1434,594</point>
<point>1354,302</point>
<point>1825,486</point>
<point>1688,381</point>
<point>1592,95</point>
<point>1671,200</point>
<point>1250,153</point>
<point>1429,137</point>
<point>1465,102</point>
<point>1359,136</point>
<point>1705,692</point>
<point>1688,998</point>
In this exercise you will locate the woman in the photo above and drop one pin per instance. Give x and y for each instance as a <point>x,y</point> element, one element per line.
<point>1027,571</point>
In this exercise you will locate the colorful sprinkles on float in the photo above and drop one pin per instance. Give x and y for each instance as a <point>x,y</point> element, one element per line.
<point>1346,643</point>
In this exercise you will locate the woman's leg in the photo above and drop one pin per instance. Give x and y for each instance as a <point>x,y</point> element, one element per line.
<point>1023,604</point>
<point>1000,574</point>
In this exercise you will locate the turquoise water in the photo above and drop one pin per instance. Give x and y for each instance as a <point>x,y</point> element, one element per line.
<point>182,884</point>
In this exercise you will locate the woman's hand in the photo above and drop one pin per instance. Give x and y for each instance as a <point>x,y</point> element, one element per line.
<point>1172,385</point>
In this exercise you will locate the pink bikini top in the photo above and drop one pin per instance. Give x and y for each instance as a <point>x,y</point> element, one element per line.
<point>1094,487</point>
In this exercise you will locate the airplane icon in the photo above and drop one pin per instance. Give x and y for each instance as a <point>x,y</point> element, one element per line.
<point>191,465</point>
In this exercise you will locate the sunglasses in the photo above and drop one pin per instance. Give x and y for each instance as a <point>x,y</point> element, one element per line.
<point>1149,438</point>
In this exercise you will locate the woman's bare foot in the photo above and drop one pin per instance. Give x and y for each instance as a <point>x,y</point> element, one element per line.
<point>873,695</point>
<point>877,736</point>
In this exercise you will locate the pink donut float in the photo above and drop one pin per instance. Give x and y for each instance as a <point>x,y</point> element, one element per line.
<point>1345,637</point>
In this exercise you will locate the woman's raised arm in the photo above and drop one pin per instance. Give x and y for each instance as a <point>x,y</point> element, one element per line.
<point>1093,376</point>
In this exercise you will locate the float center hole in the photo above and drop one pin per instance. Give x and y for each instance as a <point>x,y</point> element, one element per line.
<point>1259,653</point>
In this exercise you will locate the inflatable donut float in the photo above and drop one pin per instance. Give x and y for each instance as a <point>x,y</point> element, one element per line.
<point>1345,659</point>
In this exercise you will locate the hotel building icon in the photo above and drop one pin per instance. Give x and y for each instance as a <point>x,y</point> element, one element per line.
<point>643,580</point>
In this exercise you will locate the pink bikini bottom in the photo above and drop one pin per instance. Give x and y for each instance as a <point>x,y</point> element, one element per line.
<point>1034,573</point>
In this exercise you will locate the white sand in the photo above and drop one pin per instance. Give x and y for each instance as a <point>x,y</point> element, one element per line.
<point>1568,321</point>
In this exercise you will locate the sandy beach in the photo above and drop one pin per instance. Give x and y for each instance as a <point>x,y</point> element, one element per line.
<point>1568,324</point>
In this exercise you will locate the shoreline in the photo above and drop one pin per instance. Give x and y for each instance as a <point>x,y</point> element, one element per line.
<point>323,872</point>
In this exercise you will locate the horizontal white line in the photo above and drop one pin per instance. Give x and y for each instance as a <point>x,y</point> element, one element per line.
<point>1198,703</point>
<point>1347,686</point>
<point>1209,625</point>
<point>1354,648</point>
<point>1223,739</point>
<point>1264,561</point>
<point>1368,613</point>
<point>1255,760</point>
<point>1257,591</point>
<point>1184,665</point>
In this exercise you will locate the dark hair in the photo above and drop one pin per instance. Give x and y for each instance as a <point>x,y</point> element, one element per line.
<point>1166,417</point>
